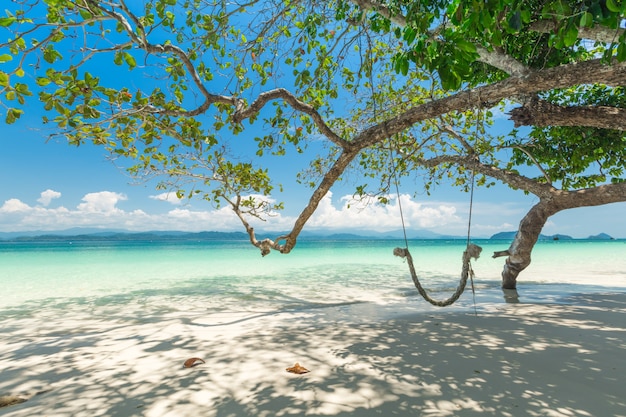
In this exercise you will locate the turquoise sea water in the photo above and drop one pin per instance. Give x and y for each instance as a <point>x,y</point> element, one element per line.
<point>218,276</point>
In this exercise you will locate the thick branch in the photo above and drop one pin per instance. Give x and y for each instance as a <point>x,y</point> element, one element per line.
<point>590,197</point>
<point>543,113</point>
<point>588,72</point>
<point>320,192</point>
<point>596,33</point>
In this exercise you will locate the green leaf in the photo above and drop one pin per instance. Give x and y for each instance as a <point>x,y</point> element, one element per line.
<point>43,81</point>
<point>404,66</point>
<point>612,6</point>
<point>466,46</point>
<point>23,89</point>
<point>5,58</point>
<point>596,10</point>
<point>4,79</point>
<point>85,14</point>
<point>450,80</point>
<point>571,35</point>
<point>130,60</point>
<point>409,35</point>
<point>13,115</point>
<point>118,59</point>
<point>7,21</point>
<point>526,16</point>
<point>586,20</point>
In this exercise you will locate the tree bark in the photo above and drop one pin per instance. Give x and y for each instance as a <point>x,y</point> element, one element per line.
<point>596,33</point>
<point>587,72</point>
<point>521,248</point>
<point>543,113</point>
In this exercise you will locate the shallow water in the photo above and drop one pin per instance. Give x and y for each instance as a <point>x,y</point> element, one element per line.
<point>231,276</point>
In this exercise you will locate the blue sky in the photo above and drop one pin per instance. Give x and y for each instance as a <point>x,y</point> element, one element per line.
<point>49,185</point>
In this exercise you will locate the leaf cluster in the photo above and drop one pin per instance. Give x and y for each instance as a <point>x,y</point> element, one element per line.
<point>348,70</point>
<point>574,156</point>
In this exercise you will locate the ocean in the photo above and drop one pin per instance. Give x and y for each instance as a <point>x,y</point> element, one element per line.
<point>149,278</point>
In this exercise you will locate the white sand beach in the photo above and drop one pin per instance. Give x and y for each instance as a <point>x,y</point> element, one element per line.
<point>508,360</point>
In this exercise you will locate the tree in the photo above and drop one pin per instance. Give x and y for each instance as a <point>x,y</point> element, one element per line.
<point>421,79</point>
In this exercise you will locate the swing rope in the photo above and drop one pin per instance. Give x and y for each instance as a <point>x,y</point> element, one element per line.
<point>471,251</point>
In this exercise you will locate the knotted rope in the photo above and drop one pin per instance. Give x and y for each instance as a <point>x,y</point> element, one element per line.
<point>472,251</point>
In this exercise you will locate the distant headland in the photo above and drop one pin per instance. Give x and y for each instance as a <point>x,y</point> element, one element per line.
<point>511,235</point>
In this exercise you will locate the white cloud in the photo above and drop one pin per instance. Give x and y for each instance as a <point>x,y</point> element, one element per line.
<point>47,196</point>
<point>100,210</point>
<point>101,202</point>
<point>371,215</point>
<point>169,197</point>
<point>199,220</point>
<point>14,206</point>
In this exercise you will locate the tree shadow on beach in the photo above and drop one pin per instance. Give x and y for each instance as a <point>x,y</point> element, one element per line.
<point>566,360</point>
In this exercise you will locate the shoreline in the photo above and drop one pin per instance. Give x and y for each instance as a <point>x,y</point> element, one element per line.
<point>542,359</point>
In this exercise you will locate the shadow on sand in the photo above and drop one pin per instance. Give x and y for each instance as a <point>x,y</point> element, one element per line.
<point>535,360</point>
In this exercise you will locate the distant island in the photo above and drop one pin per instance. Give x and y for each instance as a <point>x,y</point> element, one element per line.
<point>77,235</point>
<point>174,236</point>
<point>84,234</point>
<point>511,236</point>
<point>130,236</point>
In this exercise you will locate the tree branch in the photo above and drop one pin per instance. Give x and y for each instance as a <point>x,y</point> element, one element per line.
<point>537,164</point>
<point>588,72</point>
<point>265,245</point>
<point>501,61</point>
<point>320,192</point>
<point>494,58</point>
<point>543,113</point>
<point>563,76</point>
<point>241,112</point>
<point>448,129</point>
<point>283,94</point>
<point>596,33</point>
<point>590,197</point>
<point>142,43</point>
<point>513,179</point>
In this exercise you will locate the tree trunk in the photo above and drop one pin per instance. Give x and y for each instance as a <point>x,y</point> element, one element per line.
<point>519,252</point>
<point>531,225</point>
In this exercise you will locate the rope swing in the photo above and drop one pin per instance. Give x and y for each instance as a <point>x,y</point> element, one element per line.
<point>471,251</point>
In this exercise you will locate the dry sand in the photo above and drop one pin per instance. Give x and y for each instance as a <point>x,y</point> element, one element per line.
<point>508,360</point>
